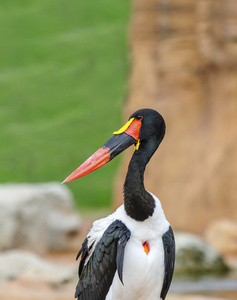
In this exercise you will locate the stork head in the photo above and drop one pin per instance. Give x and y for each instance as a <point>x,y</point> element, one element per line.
<point>143,125</point>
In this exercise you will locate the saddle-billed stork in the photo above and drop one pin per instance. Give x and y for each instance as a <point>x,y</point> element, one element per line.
<point>130,254</point>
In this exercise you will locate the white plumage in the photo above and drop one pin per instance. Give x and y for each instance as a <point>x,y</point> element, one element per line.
<point>142,274</point>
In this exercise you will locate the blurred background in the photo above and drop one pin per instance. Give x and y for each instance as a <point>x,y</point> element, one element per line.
<point>71,73</point>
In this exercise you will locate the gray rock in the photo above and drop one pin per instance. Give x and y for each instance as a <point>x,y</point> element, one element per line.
<point>27,217</point>
<point>222,235</point>
<point>16,263</point>
<point>63,231</point>
<point>8,225</point>
<point>195,257</point>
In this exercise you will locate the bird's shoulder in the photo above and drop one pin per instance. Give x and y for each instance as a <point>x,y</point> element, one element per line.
<point>98,228</point>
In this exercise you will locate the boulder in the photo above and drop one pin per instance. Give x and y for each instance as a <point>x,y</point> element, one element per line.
<point>63,231</point>
<point>18,263</point>
<point>222,235</point>
<point>29,217</point>
<point>8,224</point>
<point>195,257</point>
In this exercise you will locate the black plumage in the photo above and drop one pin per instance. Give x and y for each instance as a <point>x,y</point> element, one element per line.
<point>138,203</point>
<point>96,276</point>
<point>169,259</point>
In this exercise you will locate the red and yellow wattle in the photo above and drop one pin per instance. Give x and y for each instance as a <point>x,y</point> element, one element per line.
<point>132,128</point>
<point>146,247</point>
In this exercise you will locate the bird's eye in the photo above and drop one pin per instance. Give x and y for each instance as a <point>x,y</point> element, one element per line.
<point>138,117</point>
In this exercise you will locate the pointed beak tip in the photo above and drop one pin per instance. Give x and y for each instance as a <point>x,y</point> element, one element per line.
<point>65,181</point>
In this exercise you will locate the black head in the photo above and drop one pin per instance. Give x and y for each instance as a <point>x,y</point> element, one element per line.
<point>153,125</point>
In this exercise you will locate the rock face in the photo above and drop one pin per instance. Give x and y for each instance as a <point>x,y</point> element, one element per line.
<point>222,235</point>
<point>37,217</point>
<point>195,257</point>
<point>184,64</point>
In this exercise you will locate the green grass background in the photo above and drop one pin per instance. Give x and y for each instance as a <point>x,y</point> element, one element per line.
<point>63,72</point>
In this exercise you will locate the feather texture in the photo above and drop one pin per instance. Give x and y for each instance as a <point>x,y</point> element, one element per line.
<point>169,251</point>
<point>96,275</point>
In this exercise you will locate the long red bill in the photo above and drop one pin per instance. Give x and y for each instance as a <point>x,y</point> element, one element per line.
<point>121,140</point>
<point>95,161</point>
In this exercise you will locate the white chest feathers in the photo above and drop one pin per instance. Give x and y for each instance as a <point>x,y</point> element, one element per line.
<point>143,268</point>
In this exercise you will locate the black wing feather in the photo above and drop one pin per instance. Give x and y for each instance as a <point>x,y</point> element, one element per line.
<point>95,277</point>
<point>84,251</point>
<point>169,259</point>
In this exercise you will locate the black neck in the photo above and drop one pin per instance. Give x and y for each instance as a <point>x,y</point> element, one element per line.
<point>139,204</point>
